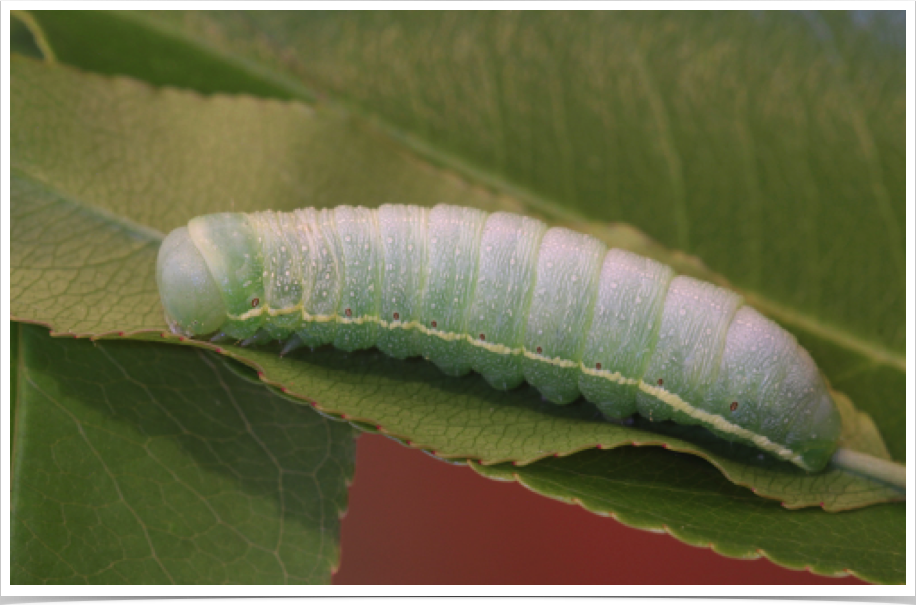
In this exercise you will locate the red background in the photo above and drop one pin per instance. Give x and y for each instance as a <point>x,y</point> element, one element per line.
<point>416,520</point>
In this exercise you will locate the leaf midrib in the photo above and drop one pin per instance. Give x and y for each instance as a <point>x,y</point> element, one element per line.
<point>106,216</point>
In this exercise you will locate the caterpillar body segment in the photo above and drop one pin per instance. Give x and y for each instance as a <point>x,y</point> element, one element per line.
<point>503,295</point>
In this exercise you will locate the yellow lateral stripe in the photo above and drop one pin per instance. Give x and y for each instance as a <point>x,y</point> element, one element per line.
<point>659,393</point>
<point>720,423</point>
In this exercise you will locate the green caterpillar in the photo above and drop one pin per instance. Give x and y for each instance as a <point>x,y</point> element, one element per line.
<point>503,295</point>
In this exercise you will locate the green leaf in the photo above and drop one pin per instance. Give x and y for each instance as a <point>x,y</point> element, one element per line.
<point>471,97</point>
<point>651,489</point>
<point>465,418</point>
<point>14,384</point>
<point>137,463</point>
<point>151,53</point>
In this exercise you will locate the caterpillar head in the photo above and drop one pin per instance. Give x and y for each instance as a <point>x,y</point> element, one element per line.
<point>191,298</point>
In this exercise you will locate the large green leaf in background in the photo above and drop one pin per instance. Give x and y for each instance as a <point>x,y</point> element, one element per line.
<point>525,143</point>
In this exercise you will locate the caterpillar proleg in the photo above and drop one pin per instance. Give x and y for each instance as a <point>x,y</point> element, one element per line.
<point>504,296</point>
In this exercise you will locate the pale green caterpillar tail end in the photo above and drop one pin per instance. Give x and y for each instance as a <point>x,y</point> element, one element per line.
<point>821,427</point>
<point>813,428</point>
<point>192,300</point>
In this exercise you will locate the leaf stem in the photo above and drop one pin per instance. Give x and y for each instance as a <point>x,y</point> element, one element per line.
<point>870,466</point>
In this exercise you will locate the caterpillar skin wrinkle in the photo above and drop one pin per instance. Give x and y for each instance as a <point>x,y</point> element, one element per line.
<point>503,295</point>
